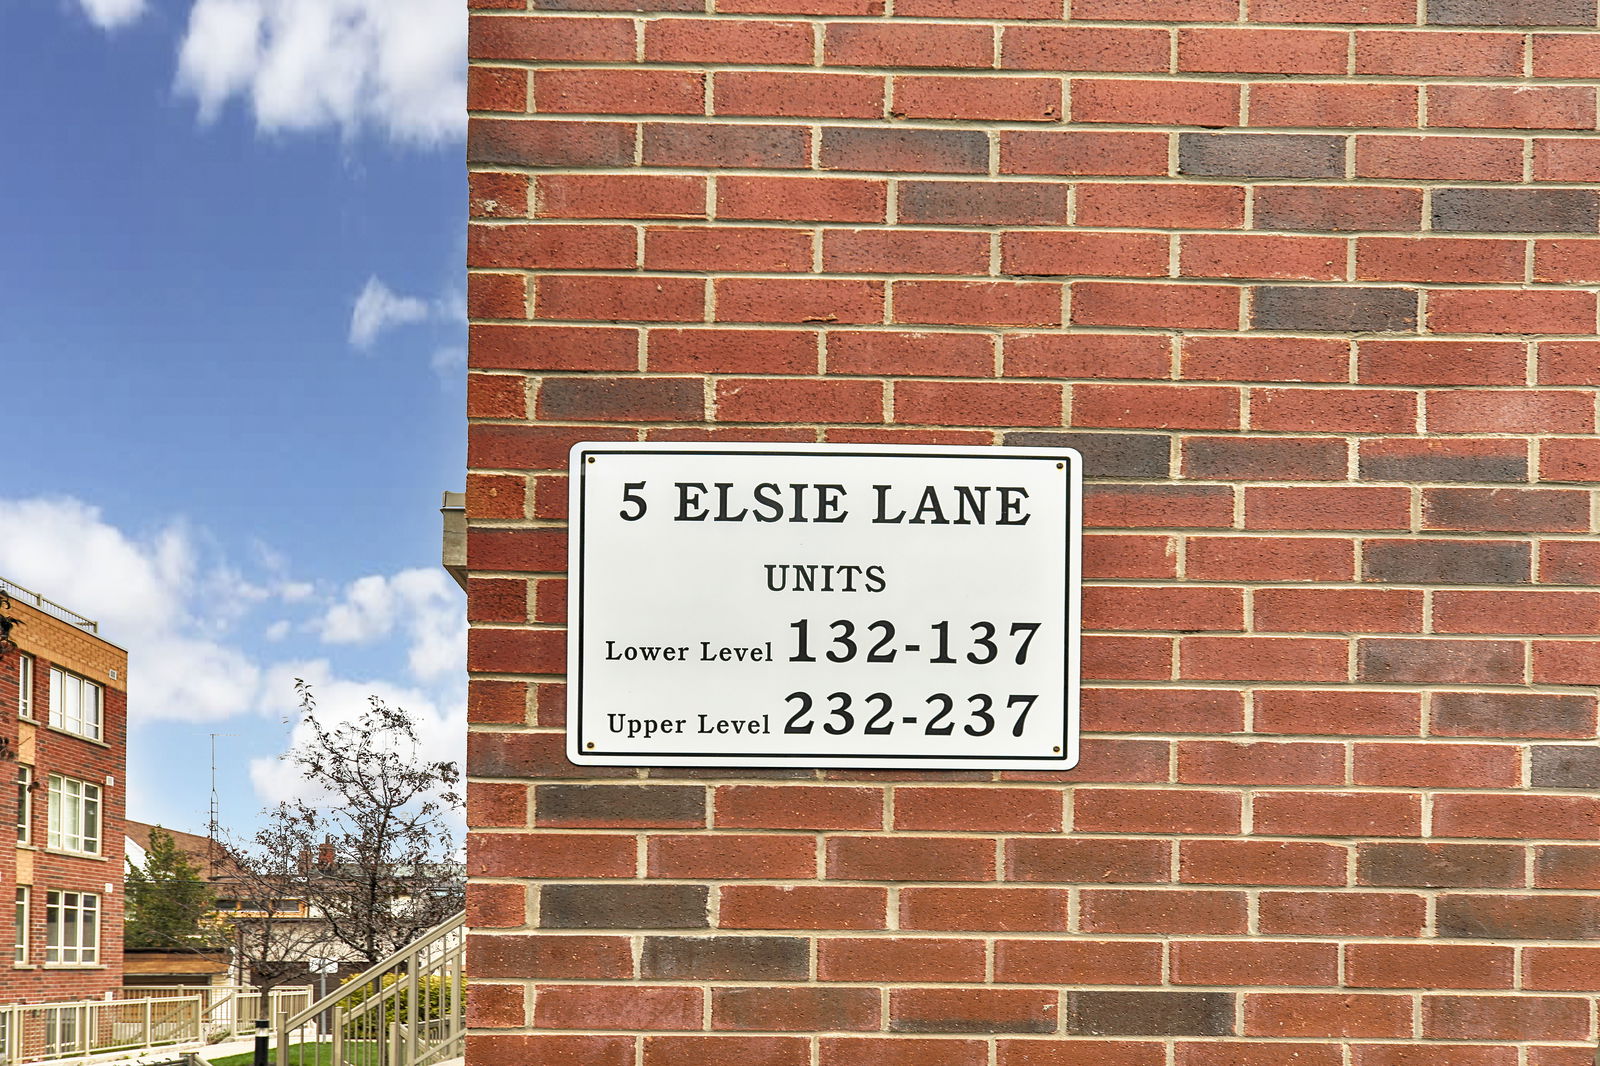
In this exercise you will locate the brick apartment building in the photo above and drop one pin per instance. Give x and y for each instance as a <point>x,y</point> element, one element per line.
<point>1310,284</point>
<point>63,726</point>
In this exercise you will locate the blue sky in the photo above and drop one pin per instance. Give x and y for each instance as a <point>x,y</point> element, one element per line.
<point>232,340</point>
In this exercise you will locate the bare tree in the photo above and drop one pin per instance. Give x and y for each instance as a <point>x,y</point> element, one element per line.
<point>263,910</point>
<point>378,850</point>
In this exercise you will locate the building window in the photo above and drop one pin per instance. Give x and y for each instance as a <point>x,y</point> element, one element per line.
<point>74,704</point>
<point>25,686</point>
<point>71,927</point>
<point>74,815</point>
<point>24,805</point>
<point>22,922</point>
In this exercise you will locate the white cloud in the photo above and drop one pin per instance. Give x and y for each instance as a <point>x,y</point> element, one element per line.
<point>424,604</point>
<point>152,596</point>
<point>380,308</point>
<point>112,14</point>
<point>395,66</point>
<point>295,591</point>
<point>189,679</point>
<point>449,363</point>
<point>369,611</point>
<point>453,305</point>
<point>64,549</point>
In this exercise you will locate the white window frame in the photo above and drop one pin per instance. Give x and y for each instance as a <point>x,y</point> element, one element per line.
<point>25,686</point>
<point>24,920</point>
<point>24,804</point>
<point>75,816</point>
<point>84,911</point>
<point>77,705</point>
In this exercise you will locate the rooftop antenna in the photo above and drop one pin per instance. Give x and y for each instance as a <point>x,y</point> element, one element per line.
<point>212,820</point>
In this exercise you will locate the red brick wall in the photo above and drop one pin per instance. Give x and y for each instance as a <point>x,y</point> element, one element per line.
<point>55,643</point>
<point>1327,342</point>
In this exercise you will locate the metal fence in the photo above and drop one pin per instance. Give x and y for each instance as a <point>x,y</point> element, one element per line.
<point>37,1032</point>
<point>230,1011</point>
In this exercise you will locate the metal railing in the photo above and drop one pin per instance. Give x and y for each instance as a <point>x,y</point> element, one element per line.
<point>43,1031</point>
<point>407,1010</point>
<point>230,1011</point>
<point>49,607</point>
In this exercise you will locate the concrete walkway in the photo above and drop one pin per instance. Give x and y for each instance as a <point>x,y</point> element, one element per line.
<point>211,1052</point>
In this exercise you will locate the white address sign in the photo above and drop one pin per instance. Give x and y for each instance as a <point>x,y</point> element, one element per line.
<point>808,605</point>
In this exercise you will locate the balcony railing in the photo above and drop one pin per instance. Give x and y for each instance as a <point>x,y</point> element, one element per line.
<point>49,607</point>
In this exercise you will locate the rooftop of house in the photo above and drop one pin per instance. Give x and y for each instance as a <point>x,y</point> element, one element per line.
<point>210,856</point>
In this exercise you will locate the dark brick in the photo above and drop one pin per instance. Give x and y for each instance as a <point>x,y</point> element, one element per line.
<point>905,150</point>
<point>552,957</point>
<point>1499,917</point>
<point>1265,458</point>
<point>1511,12</point>
<point>697,144</point>
<point>1512,714</point>
<point>1440,865</point>
<point>1141,455</point>
<point>1442,562</point>
<point>1337,209</point>
<point>1334,310</point>
<point>982,202</point>
<point>1516,210</point>
<point>1261,155</point>
<point>1520,1017</point>
<point>535,143</point>
<point>525,755</point>
<point>1506,510</point>
<point>1563,766</point>
<point>1443,460</point>
<point>623,907</point>
<point>622,399</point>
<point>618,806</point>
<point>1566,866</point>
<point>1463,662</point>
<point>725,958</point>
<point>1150,1013</point>
<point>988,1010</point>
